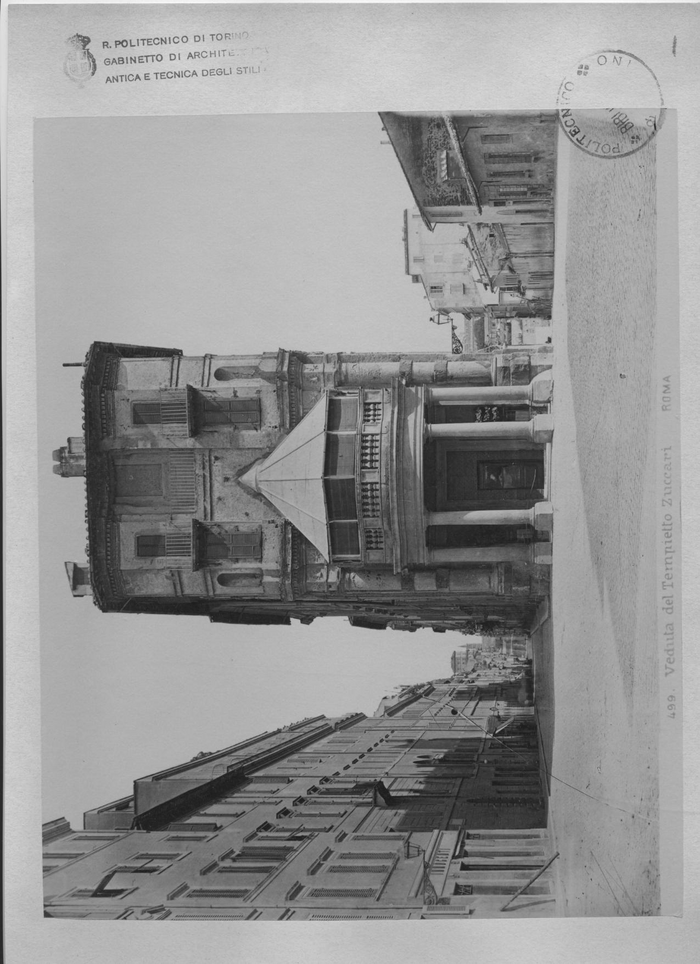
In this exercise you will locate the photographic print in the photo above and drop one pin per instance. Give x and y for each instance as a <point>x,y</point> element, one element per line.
<point>386,403</point>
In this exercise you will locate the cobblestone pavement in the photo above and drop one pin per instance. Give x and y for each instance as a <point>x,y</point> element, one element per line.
<point>602,638</point>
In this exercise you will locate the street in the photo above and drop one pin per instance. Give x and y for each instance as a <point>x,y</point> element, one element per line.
<point>596,657</point>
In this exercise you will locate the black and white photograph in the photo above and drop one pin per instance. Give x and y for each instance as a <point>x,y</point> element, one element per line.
<point>358,591</point>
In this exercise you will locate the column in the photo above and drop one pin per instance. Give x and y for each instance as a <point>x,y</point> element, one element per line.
<point>538,429</point>
<point>539,516</point>
<point>486,395</point>
<point>515,552</point>
<point>480,517</point>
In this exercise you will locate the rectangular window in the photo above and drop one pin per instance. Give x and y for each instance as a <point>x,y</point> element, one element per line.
<point>337,892</point>
<point>510,157</point>
<point>207,892</point>
<point>177,543</point>
<point>188,836</point>
<point>345,539</point>
<point>138,481</point>
<point>213,915</point>
<point>261,852</point>
<point>340,455</point>
<point>169,409</point>
<point>340,498</point>
<point>98,837</point>
<point>496,138</point>
<point>510,475</point>
<point>193,828</point>
<point>513,190</point>
<point>233,543</point>
<point>342,414</point>
<point>368,855</point>
<point>145,413</point>
<point>61,855</point>
<point>501,174</point>
<point>436,289</point>
<point>244,413</point>
<point>174,855</point>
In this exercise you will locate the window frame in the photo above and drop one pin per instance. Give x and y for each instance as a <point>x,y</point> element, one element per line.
<point>351,518</point>
<point>174,413</point>
<point>185,534</point>
<point>202,557</point>
<point>208,404</point>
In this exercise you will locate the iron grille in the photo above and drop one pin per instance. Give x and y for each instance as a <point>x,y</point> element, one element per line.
<point>182,481</point>
<point>173,409</point>
<point>178,543</point>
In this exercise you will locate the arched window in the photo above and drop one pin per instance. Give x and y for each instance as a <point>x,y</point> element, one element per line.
<point>240,580</point>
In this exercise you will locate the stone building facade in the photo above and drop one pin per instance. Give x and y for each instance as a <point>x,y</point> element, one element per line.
<point>433,808</point>
<point>441,261</point>
<point>397,490</point>
<point>481,270</point>
<point>478,166</point>
<point>494,174</point>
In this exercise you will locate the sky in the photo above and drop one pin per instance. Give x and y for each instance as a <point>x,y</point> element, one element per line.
<point>210,234</point>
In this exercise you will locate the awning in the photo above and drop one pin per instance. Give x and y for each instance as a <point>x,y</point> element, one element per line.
<point>291,477</point>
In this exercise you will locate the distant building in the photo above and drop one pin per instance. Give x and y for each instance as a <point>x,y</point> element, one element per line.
<point>461,661</point>
<point>441,261</point>
<point>70,459</point>
<point>516,262</point>
<point>471,271</point>
<point>477,166</point>
<point>434,808</point>
<point>493,174</point>
<point>400,491</point>
<point>512,331</point>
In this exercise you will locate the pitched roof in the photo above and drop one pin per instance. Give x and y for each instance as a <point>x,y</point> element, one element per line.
<point>291,477</point>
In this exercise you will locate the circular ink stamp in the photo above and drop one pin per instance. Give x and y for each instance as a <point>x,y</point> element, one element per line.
<point>603,78</point>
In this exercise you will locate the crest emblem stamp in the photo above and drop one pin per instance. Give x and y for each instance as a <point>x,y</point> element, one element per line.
<point>79,64</point>
<point>589,91</point>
